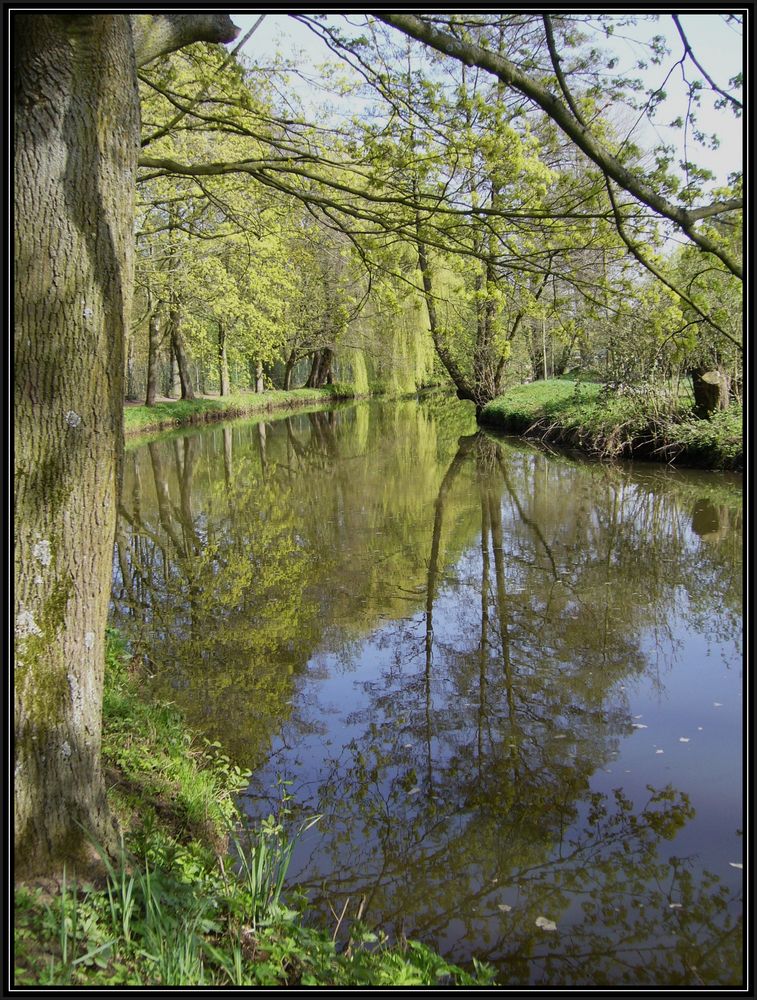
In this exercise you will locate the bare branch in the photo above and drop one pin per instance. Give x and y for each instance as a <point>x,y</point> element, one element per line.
<point>690,52</point>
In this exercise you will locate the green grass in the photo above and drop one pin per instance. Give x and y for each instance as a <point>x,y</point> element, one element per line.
<point>139,419</point>
<point>650,422</point>
<point>172,909</point>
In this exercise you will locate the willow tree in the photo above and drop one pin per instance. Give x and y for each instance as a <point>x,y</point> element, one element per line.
<point>76,144</point>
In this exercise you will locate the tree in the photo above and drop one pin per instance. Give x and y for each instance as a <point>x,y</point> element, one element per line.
<point>565,111</point>
<point>76,143</point>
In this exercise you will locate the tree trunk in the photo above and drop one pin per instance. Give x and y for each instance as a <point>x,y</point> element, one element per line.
<point>313,376</point>
<point>76,142</point>
<point>153,345</point>
<point>288,368</point>
<point>710,392</point>
<point>131,392</point>
<point>173,384</point>
<point>464,389</point>
<point>259,383</point>
<point>223,361</point>
<point>180,353</point>
<point>320,369</point>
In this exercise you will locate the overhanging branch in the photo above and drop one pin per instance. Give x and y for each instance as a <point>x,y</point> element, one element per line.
<point>509,73</point>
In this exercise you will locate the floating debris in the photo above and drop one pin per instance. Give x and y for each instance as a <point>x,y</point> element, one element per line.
<point>676,906</point>
<point>504,907</point>
<point>639,725</point>
<point>659,751</point>
<point>546,925</point>
<point>717,704</point>
<point>735,864</point>
<point>683,739</point>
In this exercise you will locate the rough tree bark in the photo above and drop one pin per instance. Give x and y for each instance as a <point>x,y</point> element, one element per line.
<point>76,143</point>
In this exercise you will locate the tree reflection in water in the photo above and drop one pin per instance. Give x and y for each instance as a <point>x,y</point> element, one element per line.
<point>499,598</point>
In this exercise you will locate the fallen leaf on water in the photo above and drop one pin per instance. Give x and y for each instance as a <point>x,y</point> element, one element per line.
<point>546,925</point>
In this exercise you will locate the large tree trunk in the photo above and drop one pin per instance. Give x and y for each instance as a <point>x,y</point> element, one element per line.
<point>76,135</point>
<point>76,143</point>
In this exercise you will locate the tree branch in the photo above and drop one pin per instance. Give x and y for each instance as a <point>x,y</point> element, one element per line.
<point>509,73</point>
<point>158,34</point>
<point>690,52</point>
<point>636,252</point>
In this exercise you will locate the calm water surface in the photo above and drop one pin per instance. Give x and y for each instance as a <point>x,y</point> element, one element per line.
<point>509,682</point>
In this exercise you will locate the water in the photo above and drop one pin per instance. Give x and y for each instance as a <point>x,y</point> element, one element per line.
<point>509,682</point>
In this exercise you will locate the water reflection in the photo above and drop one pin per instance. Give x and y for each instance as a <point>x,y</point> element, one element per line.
<point>434,635</point>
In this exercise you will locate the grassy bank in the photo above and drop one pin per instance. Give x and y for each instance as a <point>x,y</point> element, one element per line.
<point>142,419</point>
<point>174,911</point>
<point>651,423</point>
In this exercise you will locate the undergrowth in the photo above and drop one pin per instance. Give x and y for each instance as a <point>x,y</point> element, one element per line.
<point>649,421</point>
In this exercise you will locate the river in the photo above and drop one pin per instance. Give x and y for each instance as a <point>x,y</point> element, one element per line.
<point>509,682</point>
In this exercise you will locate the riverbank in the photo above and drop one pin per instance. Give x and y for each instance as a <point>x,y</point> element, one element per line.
<point>174,912</point>
<point>140,419</point>
<point>645,425</point>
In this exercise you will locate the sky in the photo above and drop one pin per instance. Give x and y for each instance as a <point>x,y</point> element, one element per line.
<point>717,47</point>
